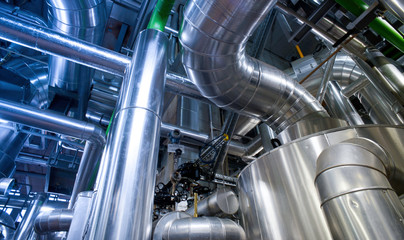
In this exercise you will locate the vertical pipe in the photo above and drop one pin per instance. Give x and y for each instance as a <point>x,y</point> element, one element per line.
<point>124,200</point>
<point>326,78</point>
<point>27,224</point>
<point>267,134</point>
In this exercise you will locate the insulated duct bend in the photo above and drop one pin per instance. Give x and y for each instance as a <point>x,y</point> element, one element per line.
<point>214,36</point>
<point>84,20</point>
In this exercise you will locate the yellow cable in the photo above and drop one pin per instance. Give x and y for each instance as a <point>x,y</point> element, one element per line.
<point>299,51</point>
<point>195,205</point>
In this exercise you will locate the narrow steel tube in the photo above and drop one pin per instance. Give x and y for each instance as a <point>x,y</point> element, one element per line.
<point>49,41</point>
<point>325,80</point>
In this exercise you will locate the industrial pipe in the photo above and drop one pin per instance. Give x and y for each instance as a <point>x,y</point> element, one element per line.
<point>57,220</point>
<point>24,228</point>
<point>54,122</point>
<point>396,7</point>
<point>379,25</point>
<point>224,200</point>
<point>84,20</point>
<point>341,107</point>
<point>209,228</point>
<point>357,191</point>
<point>125,183</point>
<point>214,38</point>
<point>49,41</point>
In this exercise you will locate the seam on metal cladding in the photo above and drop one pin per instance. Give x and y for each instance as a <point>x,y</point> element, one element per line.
<point>354,191</point>
<point>128,108</point>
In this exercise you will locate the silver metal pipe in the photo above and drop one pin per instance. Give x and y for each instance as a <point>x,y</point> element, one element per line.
<point>354,87</point>
<point>214,38</point>
<point>181,85</point>
<point>267,134</point>
<point>57,220</point>
<point>125,183</point>
<point>19,202</point>
<point>351,189</point>
<point>24,229</point>
<point>340,107</point>
<point>325,79</point>
<point>85,21</point>
<point>54,122</point>
<point>181,226</point>
<point>208,228</point>
<point>396,7</point>
<point>51,42</point>
<point>223,201</point>
<point>392,78</point>
<point>193,137</point>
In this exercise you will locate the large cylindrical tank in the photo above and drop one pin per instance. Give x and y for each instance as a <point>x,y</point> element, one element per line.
<point>278,197</point>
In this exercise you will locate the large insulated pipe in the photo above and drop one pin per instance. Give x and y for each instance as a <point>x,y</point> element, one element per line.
<point>84,20</point>
<point>57,220</point>
<point>181,226</point>
<point>24,229</point>
<point>124,198</point>
<point>224,200</point>
<point>57,44</point>
<point>356,196</point>
<point>214,35</point>
<point>57,123</point>
<point>209,228</point>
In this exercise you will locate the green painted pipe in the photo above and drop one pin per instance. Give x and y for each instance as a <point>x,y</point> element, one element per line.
<point>160,14</point>
<point>382,27</point>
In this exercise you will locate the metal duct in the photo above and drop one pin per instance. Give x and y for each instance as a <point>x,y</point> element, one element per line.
<point>181,226</point>
<point>214,34</point>
<point>224,200</point>
<point>12,140</point>
<point>54,221</point>
<point>84,20</point>
<point>124,200</point>
<point>24,228</point>
<point>357,199</point>
<point>54,122</point>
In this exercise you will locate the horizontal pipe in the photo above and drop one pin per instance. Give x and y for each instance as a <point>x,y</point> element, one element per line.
<point>51,42</point>
<point>57,123</point>
<point>208,228</point>
<point>57,220</point>
<point>198,138</point>
<point>224,200</point>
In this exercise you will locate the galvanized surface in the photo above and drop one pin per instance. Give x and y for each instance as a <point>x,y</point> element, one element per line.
<point>278,198</point>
